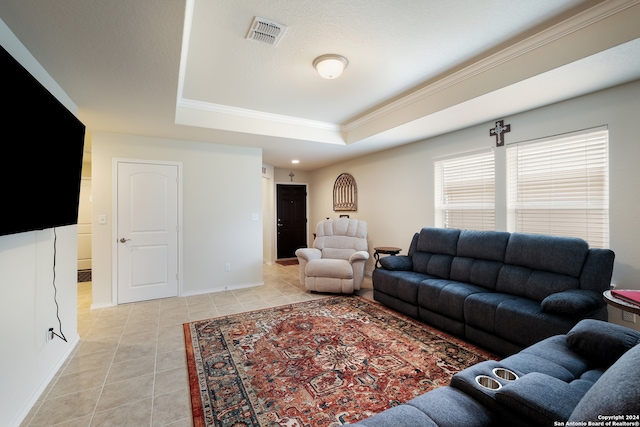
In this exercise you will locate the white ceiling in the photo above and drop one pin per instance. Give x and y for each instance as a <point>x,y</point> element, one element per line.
<point>417,68</point>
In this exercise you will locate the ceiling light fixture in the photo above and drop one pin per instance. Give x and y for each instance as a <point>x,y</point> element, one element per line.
<point>330,66</point>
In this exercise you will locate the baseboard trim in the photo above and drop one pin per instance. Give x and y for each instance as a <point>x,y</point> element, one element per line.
<point>43,386</point>
<point>102,305</point>
<point>226,288</point>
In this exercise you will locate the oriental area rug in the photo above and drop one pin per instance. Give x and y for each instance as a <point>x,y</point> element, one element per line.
<point>326,362</point>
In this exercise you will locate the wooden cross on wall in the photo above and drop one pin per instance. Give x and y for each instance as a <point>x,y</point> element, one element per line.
<point>499,132</point>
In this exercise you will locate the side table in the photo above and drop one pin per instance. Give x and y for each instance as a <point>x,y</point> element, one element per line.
<point>621,304</point>
<point>384,250</point>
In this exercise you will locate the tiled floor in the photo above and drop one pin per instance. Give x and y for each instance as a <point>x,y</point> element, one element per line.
<point>129,368</point>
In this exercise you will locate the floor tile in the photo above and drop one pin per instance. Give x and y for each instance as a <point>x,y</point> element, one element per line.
<point>132,368</point>
<point>78,381</point>
<point>171,380</point>
<point>66,408</point>
<point>124,392</point>
<point>171,407</point>
<point>129,368</point>
<point>170,360</point>
<point>134,414</point>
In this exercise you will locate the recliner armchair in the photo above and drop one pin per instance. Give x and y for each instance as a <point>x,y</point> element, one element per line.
<point>336,261</point>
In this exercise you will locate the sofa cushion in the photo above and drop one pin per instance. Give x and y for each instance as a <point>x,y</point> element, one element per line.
<point>446,297</point>
<point>401,415</point>
<point>533,284</point>
<point>551,356</point>
<point>438,240</point>
<point>616,393</point>
<point>601,341</point>
<point>488,245</point>
<point>343,233</point>
<point>397,263</point>
<point>334,268</point>
<point>448,406</point>
<point>510,317</point>
<point>399,284</point>
<point>573,302</point>
<point>475,271</point>
<point>480,309</point>
<point>592,375</point>
<point>542,398</point>
<point>438,265</point>
<point>562,255</point>
<point>334,253</point>
<point>514,320</point>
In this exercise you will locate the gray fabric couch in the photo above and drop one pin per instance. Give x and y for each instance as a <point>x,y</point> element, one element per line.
<point>502,291</point>
<point>589,375</point>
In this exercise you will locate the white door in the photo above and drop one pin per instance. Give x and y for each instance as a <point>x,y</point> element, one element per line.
<point>147,226</point>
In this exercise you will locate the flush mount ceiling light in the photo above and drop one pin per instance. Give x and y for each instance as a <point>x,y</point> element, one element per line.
<point>330,66</point>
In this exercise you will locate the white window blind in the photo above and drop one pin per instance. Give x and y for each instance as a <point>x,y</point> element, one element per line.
<point>560,186</point>
<point>465,191</point>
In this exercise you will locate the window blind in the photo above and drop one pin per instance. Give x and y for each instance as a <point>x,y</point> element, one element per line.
<point>560,186</point>
<point>465,192</point>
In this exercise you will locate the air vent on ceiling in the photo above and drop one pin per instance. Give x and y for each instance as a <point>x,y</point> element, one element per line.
<point>265,31</point>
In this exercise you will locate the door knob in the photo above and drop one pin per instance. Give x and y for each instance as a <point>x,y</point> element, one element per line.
<point>122,240</point>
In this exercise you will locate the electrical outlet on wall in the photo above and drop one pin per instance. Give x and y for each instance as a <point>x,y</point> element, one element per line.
<point>628,317</point>
<point>49,335</point>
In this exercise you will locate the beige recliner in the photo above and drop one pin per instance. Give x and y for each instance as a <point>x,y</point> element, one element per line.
<point>335,263</point>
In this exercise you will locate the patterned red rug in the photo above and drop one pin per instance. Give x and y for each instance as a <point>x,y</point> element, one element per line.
<point>326,362</point>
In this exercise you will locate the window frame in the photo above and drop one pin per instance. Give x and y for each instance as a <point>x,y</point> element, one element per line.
<point>559,185</point>
<point>453,207</point>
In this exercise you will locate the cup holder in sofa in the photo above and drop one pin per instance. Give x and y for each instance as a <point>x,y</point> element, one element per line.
<point>505,374</point>
<point>488,382</point>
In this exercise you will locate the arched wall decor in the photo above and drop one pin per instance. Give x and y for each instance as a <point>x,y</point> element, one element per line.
<point>345,193</point>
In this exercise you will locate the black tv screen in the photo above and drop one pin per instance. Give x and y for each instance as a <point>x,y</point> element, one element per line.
<point>41,145</point>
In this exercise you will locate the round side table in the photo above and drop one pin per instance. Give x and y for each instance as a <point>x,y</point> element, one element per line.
<point>619,303</point>
<point>384,250</point>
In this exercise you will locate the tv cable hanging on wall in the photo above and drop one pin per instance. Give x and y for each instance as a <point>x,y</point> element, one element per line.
<point>55,289</point>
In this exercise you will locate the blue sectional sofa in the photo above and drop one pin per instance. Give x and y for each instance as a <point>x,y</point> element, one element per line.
<point>589,376</point>
<point>502,291</point>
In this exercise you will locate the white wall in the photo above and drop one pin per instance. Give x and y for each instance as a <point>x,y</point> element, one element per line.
<point>222,188</point>
<point>395,187</point>
<point>27,308</point>
<point>84,225</point>
<point>268,214</point>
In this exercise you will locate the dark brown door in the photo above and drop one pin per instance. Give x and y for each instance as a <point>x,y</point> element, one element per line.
<point>292,219</point>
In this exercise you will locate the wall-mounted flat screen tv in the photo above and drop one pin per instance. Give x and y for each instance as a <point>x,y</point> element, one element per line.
<point>41,145</point>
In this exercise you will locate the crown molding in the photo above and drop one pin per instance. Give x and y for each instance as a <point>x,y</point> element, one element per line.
<point>545,37</point>
<point>223,117</point>
<point>258,115</point>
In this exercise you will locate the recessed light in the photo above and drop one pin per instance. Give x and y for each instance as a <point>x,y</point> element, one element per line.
<point>295,162</point>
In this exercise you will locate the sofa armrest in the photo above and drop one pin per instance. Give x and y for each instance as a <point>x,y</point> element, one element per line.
<point>540,398</point>
<point>601,341</point>
<point>308,254</point>
<point>359,256</point>
<point>397,263</point>
<point>573,302</point>
<point>615,393</point>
